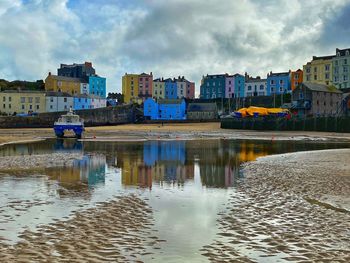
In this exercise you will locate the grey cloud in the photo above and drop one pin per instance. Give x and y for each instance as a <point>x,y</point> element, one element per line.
<point>170,38</point>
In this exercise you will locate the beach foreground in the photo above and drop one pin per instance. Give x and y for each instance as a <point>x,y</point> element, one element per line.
<point>290,207</point>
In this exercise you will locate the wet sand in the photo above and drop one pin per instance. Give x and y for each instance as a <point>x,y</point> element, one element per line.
<point>115,231</point>
<point>291,207</point>
<point>170,131</point>
<point>38,161</point>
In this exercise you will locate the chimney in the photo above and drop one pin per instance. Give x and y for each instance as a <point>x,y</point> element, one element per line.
<point>150,73</point>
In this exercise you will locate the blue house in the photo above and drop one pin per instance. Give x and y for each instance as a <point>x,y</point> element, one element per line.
<point>165,109</point>
<point>97,86</point>
<point>278,83</point>
<point>164,151</point>
<point>170,89</point>
<point>239,83</point>
<point>213,86</point>
<point>150,109</point>
<point>82,102</point>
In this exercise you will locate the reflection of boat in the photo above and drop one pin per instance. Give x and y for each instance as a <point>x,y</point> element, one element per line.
<point>69,121</point>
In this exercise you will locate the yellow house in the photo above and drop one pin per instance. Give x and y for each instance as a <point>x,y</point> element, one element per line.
<point>158,90</point>
<point>130,87</point>
<point>14,101</point>
<point>319,70</point>
<point>63,84</point>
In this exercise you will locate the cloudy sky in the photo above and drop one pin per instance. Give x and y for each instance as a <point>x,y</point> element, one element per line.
<point>168,37</point>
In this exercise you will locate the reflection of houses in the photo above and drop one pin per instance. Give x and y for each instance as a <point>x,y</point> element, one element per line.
<point>85,173</point>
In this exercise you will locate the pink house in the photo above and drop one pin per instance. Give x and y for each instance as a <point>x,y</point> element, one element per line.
<point>145,85</point>
<point>190,89</point>
<point>229,87</point>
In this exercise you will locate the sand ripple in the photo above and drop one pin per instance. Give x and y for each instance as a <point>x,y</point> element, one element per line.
<point>115,231</point>
<point>281,212</point>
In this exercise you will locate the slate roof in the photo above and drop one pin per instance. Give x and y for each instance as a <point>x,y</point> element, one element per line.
<point>57,94</point>
<point>201,107</point>
<point>342,51</point>
<point>169,101</point>
<point>22,91</point>
<point>67,78</point>
<point>322,57</point>
<point>280,74</point>
<point>320,87</point>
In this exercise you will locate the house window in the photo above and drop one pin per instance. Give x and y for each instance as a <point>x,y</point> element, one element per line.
<point>272,89</point>
<point>308,77</point>
<point>23,107</point>
<point>51,107</point>
<point>327,75</point>
<point>65,99</point>
<point>4,98</point>
<point>249,87</point>
<point>272,82</point>
<point>30,107</point>
<point>301,95</point>
<point>9,98</point>
<point>37,99</point>
<point>345,61</point>
<point>9,106</point>
<point>308,70</point>
<point>326,67</point>
<point>4,106</point>
<point>345,69</point>
<point>315,77</point>
<point>65,107</point>
<point>281,81</point>
<point>315,69</point>
<point>51,99</point>
<point>261,87</point>
<point>281,89</point>
<point>37,107</point>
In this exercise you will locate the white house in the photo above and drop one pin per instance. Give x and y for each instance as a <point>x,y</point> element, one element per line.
<point>58,101</point>
<point>254,86</point>
<point>97,102</point>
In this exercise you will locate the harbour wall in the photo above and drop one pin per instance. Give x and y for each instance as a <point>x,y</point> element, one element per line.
<point>91,117</point>
<point>322,124</point>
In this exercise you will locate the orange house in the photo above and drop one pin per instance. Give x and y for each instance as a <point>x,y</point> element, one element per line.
<point>296,78</point>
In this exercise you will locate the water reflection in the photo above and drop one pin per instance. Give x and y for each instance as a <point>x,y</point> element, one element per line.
<point>85,174</point>
<point>143,164</point>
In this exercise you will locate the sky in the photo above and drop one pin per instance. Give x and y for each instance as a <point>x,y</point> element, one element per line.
<point>170,38</point>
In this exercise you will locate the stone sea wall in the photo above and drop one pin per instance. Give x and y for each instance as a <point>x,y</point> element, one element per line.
<point>92,117</point>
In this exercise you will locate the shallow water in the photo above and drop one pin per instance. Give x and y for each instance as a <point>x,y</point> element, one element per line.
<point>188,184</point>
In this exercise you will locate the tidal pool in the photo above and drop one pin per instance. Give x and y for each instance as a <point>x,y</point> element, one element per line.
<point>188,184</point>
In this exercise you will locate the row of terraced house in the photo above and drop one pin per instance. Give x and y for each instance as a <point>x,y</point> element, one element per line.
<point>75,86</point>
<point>139,87</point>
<point>333,70</point>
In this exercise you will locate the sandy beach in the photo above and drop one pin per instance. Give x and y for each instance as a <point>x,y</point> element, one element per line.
<point>169,131</point>
<point>116,231</point>
<point>292,207</point>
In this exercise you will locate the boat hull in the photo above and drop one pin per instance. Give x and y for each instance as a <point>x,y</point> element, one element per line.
<point>61,128</point>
